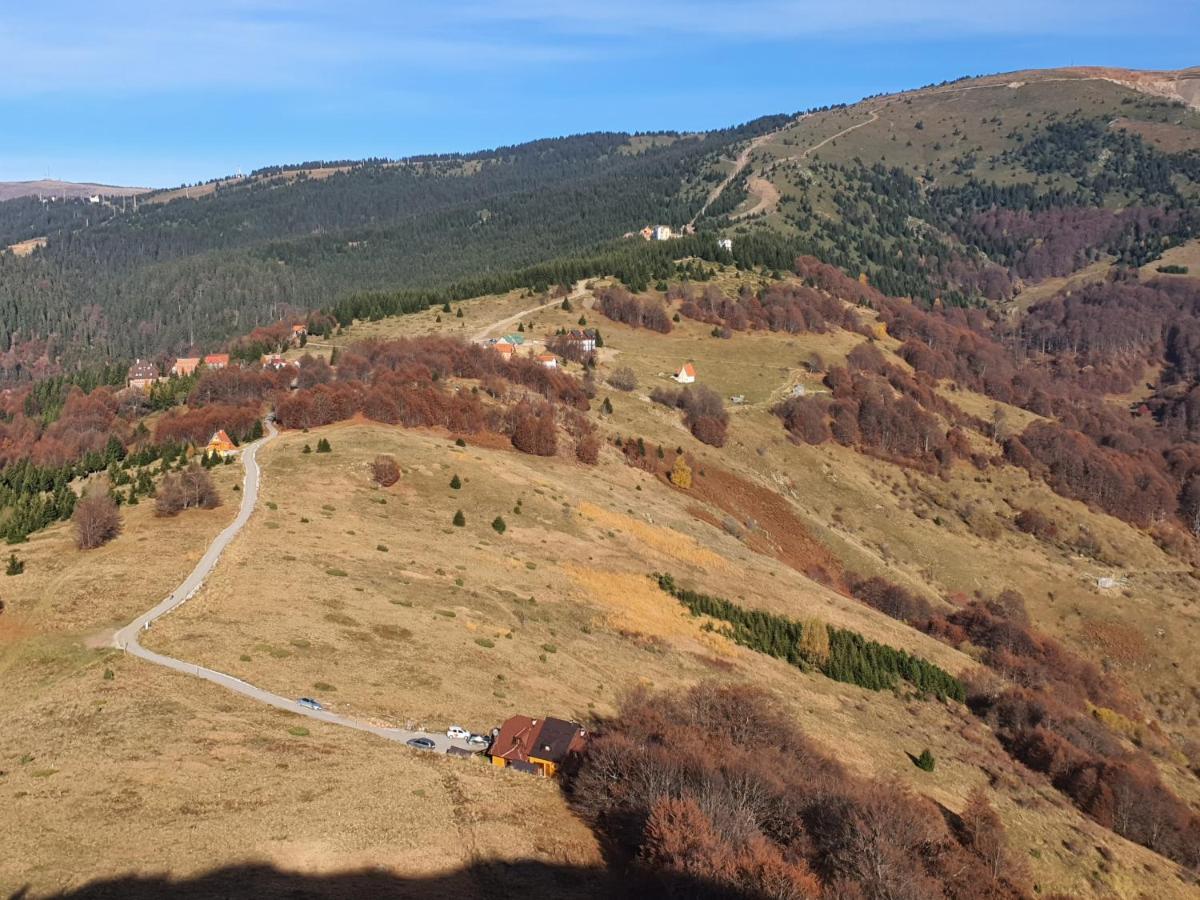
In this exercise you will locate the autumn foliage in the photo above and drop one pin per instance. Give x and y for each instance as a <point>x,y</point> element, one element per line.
<point>713,793</point>
<point>97,521</point>
<point>192,488</point>
<point>640,312</point>
<point>385,471</point>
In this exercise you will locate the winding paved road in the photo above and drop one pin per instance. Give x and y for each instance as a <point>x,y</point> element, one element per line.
<point>127,638</point>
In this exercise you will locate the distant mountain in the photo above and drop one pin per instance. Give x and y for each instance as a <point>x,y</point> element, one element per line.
<point>965,192</point>
<point>47,188</point>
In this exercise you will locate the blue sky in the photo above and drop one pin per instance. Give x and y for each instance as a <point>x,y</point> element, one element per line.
<point>160,92</point>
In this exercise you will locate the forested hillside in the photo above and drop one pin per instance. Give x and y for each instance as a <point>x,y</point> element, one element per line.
<point>968,193</point>
<point>202,269</point>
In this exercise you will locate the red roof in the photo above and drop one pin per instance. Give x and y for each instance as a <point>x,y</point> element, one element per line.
<point>545,357</point>
<point>688,370</point>
<point>220,440</point>
<point>515,738</point>
<point>548,739</point>
<point>217,359</point>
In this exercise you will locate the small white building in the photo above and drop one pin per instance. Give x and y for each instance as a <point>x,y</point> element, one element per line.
<point>725,244</point>
<point>548,360</point>
<point>686,374</point>
<point>661,233</point>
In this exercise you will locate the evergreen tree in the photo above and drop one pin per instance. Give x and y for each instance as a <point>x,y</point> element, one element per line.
<point>15,566</point>
<point>459,519</point>
<point>323,446</point>
<point>499,525</point>
<point>455,482</point>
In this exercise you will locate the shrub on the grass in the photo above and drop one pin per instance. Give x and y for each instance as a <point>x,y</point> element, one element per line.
<point>623,379</point>
<point>97,521</point>
<point>485,642</point>
<point>385,470</point>
<point>323,446</point>
<point>192,488</point>
<point>925,762</point>
<point>499,525</point>
<point>455,482</point>
<point>15,566</point>
<point>459,519</point>
<point>307,449</point>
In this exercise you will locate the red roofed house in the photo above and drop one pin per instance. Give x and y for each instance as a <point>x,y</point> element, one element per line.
<point>537,746</point>
<point>549,360</point>
<point>505,349</point>
<point>220,444</point>
<point>142,374</point>
<point>686,374</point>
<point>273,361</point>
<point>185,365</point>
<point>217,360</point>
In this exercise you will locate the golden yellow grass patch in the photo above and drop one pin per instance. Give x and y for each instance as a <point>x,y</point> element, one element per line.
<point>665,540</point>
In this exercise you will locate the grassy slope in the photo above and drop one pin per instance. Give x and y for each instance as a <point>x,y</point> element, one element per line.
<point>150,771</point>
<point>984,116</point>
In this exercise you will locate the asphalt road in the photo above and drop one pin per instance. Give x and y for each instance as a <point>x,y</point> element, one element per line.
<point>127,638</point>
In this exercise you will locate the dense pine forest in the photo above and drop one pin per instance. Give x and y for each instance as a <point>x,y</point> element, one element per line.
<point>201,269</point>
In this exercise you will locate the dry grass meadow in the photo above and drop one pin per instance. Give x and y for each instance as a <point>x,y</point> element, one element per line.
<point>371,600</point>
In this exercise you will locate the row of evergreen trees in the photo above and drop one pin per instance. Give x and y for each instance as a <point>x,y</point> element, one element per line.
<point>837,653</point>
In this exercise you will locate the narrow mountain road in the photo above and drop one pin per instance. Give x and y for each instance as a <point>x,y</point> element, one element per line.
<point>743,159</point>
<point>766,194</point>
<point>127,638</point>
<point>577,293</point>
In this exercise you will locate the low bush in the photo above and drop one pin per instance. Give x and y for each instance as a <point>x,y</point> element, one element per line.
<point>385,470</point>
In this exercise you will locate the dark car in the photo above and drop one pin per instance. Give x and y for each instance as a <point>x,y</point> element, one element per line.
<point>421,743</point>
<point>309,703</point>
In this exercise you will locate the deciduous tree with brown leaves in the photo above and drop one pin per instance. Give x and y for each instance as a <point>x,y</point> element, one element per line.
<point>97,521</point>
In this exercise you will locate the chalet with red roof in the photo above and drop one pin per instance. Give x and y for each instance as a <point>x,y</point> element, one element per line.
<point>536,746</point>
<point>686,373</point>
<point>217,360</point>
<point>185,365</point>
<point>220,444</point>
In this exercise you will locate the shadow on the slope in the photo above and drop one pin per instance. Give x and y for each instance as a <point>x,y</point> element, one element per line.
<point>526,880</point>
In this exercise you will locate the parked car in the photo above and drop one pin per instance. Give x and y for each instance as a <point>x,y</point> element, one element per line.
<point>457,733</point>
<point>309,703</point>
<point>421,743</point>
<point>479,740</point>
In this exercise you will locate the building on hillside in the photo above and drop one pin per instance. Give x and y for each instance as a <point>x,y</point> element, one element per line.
<point>516,339</point>
<point>583,339</point>
<point>536,746</point>
<point>647,233</point>
<point>686,374</point>
<point>185,365</point>
<point>505,349</point>
<point>725,244</point>
<point>662,232</point>
<point>299,330</point>
<point>217,360</point>
<point>548,360</point>
<point>273,361</point>
<point>142,374</point>
<point>220,444</point>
